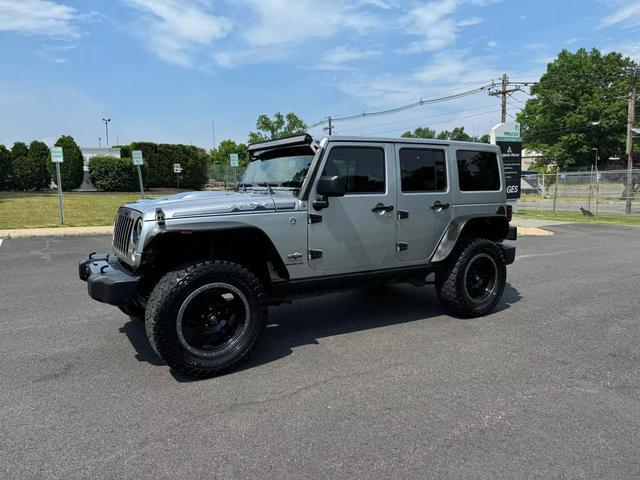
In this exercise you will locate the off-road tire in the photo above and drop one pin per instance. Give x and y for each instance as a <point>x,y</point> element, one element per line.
<point>450,282</point>
<point>170,293</point>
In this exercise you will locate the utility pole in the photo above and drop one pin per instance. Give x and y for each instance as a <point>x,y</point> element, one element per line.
<point>631,118</point>
<point>106,127</point>
<point>503,92</point>
<point>213,132</point>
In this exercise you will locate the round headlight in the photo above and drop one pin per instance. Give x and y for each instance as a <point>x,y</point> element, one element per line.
<point>137,230</point>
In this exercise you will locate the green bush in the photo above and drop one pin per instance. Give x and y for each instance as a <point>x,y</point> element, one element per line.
<point>30,170</point>
<point>111,174</point>
<point>71,169</point>
<point>18,150</point>
<point>6,170</point>
<point>159,159</point>
<point>125,150</point>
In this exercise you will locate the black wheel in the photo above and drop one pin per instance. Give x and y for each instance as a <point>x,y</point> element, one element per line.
<point>472,283</point>
<point>205,319</point>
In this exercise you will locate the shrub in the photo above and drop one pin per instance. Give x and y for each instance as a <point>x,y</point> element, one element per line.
<point>30,170</point>
<point>6,169</point>
<point>125,150</point>
<point>111,174</point>
<point>71,169</point>
<point>159,159</point>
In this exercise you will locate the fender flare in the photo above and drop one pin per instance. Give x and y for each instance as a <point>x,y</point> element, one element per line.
<point>459,225</point>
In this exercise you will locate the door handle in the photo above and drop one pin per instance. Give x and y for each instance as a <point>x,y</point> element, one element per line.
<point>381,207</point>
<point>437,205</point>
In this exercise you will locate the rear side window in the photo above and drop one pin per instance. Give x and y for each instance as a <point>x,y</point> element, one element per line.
<point>478,171</point>
<point>422,170</point>
<point>363,168</point>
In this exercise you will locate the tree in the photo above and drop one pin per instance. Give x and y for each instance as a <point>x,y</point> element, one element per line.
<point>72,167</point>
<point>420,132</point>
<point>30,172</point>
<point>18,150</point>
<point>220,155</point>
<point>280,127</point>
<point>579,104</point>
<point>6,170</point>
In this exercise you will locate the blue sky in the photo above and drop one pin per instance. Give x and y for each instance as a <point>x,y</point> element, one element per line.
<point>162,69</point>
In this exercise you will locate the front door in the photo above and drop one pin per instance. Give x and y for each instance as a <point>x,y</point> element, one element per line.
<point>424,200</point>
<point>355,232</point>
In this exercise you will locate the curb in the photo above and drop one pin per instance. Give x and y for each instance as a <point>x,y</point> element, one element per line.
<point>55,232</point>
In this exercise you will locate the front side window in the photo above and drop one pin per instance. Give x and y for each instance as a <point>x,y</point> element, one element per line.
<point>478,171</point>
<point>363,168</point>
<point>422,170</point>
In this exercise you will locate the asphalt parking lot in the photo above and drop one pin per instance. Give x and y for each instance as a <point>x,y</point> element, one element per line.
<point>377,383</point>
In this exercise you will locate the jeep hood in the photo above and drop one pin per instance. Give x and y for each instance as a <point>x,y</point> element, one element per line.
<point>198,204</point>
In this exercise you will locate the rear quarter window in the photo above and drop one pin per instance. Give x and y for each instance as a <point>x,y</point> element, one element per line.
<point>478,171</point>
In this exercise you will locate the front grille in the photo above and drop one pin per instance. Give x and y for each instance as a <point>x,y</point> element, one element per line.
<point>122,230</point>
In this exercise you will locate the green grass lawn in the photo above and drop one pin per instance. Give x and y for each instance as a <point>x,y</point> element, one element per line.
<point>32,210</point>
<point>633,219</point>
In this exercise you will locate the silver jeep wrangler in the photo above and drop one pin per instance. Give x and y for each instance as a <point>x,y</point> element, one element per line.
<point>308,218</point>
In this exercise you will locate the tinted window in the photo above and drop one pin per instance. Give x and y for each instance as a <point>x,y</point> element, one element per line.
<point>363,168</point>
<point>422,170</point>
<point>478,171</point>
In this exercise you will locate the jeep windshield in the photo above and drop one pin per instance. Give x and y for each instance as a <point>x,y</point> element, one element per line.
<point>285,168</point>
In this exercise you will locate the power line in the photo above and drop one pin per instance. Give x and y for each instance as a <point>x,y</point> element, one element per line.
<point>414,119</point>
<point>409,106</point>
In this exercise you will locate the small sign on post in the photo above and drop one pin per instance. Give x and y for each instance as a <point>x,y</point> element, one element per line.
<point>57,157</point>
<point>233,160</point>
<point>137,161</point>
<point>177,169</point>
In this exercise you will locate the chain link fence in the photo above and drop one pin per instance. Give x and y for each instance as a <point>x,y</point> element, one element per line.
<point>223,177</point>
<point>592,193</point>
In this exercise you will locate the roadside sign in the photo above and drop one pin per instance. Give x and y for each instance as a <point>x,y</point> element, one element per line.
<point>137,157</point>
<point>177,168</point>
<point>233,158</point>
<point>56,157</point>
<point>507,137</point>
<point>56,154</point>
<point>137,161</point>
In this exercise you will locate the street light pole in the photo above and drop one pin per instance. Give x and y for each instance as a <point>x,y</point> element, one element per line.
<point>106,127</point>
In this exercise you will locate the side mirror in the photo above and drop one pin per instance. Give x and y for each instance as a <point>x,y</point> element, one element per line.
<point>332,186</point>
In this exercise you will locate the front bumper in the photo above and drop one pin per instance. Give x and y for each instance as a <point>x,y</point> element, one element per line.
<point>107,281</point>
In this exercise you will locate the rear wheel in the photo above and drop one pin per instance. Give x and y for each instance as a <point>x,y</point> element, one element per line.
<point>472,283</point>
<point>206,318</point>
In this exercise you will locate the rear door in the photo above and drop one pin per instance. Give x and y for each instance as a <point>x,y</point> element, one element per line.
<point>424,199</point>
<point>355,232</point>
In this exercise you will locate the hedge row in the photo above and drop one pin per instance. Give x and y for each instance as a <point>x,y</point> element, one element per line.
<point>159,160</point>
<point>30,168</point>
<point>111,174</point>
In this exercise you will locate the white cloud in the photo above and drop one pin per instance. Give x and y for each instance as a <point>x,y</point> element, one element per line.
<point>626,15</point>
<point>338,57</point>
<point>433,22</point>
<point>492,44</point>
<point>38,17</point>
<point>467,22</point>
<point>176,28</point>
<point>281,22</point>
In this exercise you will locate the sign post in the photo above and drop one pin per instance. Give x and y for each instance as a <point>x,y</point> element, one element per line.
<point>507,137</point>
<point>57,157</point>
<point>233,160</point>
<point>177,168</point>
<point>137,161</point>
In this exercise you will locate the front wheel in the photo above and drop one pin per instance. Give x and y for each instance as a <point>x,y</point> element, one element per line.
<point>205,319</point>
<point>472,283</point>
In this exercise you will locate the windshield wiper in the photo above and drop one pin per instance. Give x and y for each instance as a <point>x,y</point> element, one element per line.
<point>268,185</point>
